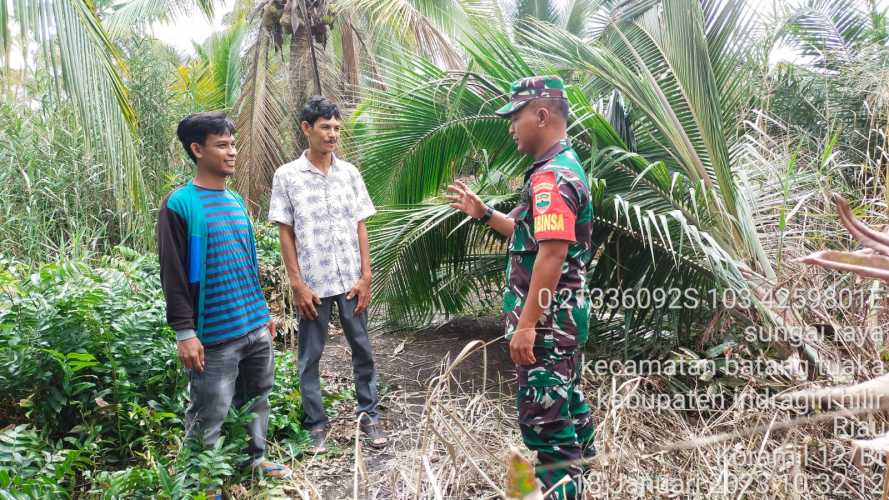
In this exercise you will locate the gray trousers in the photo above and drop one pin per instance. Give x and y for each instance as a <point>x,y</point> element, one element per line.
<point>312,335</point>
<point>234,373</point>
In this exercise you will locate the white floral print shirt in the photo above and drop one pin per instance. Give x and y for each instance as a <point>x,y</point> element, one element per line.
<point>324,212</point>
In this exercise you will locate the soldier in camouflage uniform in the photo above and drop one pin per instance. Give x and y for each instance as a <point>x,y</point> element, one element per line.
<point>546,305</point>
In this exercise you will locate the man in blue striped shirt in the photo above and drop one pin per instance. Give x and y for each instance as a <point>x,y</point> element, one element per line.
<point>215,303</point>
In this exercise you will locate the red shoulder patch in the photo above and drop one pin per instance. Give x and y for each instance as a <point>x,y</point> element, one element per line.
<point>553,220</point>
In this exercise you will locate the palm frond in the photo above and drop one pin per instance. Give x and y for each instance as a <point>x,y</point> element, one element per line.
<point>627,174</point>
<point>213,77</point>
<point>686,51</point>
<point>636,83</point>
<point>499,59</point>
<point>644,253</point>
<point>577,15</point>
<point>260,115</point>
<point>661,64</point>
<point>434,124</point>
<point>541,10</point>
<point>827,30</point>
<point>484,13</point>
<point>139,13</point>
<point>414,23</point>
<point>427,247</point>
<point>731,28</point>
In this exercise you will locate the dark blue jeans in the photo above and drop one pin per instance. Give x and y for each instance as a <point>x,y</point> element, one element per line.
<point>312,336</point>
<point>234,373</point>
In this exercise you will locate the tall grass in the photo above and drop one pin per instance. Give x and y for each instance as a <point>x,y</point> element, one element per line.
<point>55,199</point>
<point>53,203</point>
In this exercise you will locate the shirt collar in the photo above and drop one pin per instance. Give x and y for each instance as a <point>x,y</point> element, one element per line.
<point>548,155</point>
<point>307,166</point>
<point>191,183</point>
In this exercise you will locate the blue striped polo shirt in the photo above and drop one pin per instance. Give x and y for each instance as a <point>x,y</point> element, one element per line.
<point>233,302</point>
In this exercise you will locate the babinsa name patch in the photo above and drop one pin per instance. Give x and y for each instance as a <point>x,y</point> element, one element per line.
<point>549,222</point>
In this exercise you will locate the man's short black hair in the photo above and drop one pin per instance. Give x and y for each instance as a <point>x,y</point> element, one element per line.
<point>319,107</point>
<point>556,105</point>
<point>197,126</point>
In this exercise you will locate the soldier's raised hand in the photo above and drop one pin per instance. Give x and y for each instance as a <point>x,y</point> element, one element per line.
<point>462,198</point>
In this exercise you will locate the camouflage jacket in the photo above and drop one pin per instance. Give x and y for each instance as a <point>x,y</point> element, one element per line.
<point>554,204</point>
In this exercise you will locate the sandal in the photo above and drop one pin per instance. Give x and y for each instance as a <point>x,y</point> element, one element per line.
<point>276,471</point>
<point>377,438</point>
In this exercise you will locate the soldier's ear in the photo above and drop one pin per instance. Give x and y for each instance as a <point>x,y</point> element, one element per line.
<point>542,116</point>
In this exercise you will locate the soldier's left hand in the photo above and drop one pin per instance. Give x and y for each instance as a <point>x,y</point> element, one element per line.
<point>462,198</point>
<point>362,291</point>
<point>521,347</point>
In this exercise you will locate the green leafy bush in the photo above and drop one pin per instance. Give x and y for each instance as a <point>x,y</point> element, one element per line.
<point>86,351</point>
<point>32,468</point>
<point>94,395</point>
<point>287,412</point>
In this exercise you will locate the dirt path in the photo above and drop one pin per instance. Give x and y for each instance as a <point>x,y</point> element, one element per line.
<point>405,364</point>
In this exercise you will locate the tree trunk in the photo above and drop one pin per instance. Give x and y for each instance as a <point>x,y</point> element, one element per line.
<point>350,65</point>
<point>297,80</point>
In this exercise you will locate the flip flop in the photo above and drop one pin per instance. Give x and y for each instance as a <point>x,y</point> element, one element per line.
<point>277,471</point>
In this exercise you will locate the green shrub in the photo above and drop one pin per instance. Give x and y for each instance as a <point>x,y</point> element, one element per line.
<point>287,412</point>
<point>87,352</point>
<point>30,467</point>
<point>94,395</point>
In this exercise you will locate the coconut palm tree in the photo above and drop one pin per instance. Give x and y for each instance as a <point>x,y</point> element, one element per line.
<point>333,47</point>
<point>657,90</point>
<point>302,47</point>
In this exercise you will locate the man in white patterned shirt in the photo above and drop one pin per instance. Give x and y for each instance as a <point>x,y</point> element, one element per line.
<point>320,203</point>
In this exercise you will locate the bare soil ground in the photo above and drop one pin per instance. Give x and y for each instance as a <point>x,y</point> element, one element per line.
<point>405,363</point>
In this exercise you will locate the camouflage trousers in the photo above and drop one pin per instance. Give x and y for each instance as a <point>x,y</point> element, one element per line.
<point>555,420</point>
